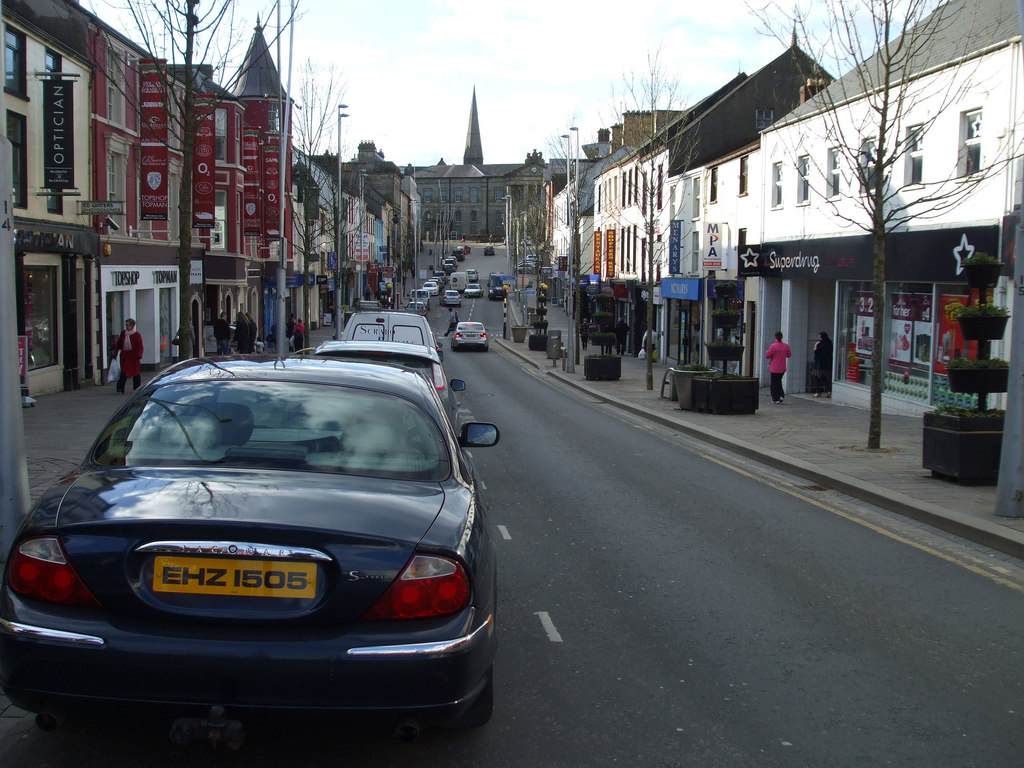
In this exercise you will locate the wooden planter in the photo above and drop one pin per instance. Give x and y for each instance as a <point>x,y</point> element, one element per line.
<point>720,395</point>
<point>962,448</point>
<point>978,379</point>
<point>987,328</point>
<point>602,368</point>
<point>724,352</point>
<point>982,276</point>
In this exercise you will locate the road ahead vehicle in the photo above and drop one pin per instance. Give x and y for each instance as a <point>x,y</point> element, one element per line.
<point>426,360</point>
<point>419,307</point>
<point>390,325</point>
<point>496,288</point>
<point>432,287</point>
<point>451,299</point>
<point>489,250</point>
<point>470,336</point>
<point>473,291</point>
<point>261,534</point>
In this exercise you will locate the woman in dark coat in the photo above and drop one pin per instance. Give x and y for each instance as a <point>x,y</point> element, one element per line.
<point>822,366</point>
<point>242,333</point>
<point>129,347</point>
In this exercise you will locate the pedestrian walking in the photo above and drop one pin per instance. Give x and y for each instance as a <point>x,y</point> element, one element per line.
<point>241,333</point>
<point>299,335</point>
<point>584,334</point>
<point>253,332</point>
<point>453,320</point>
<point>777,355</point>
<point>129,347</point>
<point>289,331</point>
<point>222,333</point>
<point>621,334</point>
<point>822,366</point>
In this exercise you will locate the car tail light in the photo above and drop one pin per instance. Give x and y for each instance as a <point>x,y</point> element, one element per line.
<point>40,570</point>
<point>428,586</point>
<point>439,381</point>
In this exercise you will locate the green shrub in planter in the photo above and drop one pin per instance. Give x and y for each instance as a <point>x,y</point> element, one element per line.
<point>603,340</point>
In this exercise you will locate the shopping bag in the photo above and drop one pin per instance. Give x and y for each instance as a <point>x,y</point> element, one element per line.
<point>115,371</point>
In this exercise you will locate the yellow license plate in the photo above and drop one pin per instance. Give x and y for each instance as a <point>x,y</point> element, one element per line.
<point>242,578</point>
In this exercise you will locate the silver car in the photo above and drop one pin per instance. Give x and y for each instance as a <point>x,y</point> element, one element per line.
<point>470,335</point>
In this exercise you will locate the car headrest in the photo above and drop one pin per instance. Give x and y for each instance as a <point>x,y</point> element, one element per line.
<point>236,423</point>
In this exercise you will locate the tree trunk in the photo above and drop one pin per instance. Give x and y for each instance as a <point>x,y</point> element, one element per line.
<point>185,200</point>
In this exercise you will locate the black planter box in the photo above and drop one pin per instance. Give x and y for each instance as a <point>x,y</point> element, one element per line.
<point>989,328</point>
<point>982,276</point>
<point>729,352</point>
<point>978,379</point>
<point>725,396</point>
<point>538,342</point>
<point>962,448</point>
<point>602,368</point>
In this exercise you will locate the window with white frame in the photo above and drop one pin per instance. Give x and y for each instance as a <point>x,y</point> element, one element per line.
<point>969,160</point>
<point>803,181</point>
<point>474,194</point>
<point>744,174</point>
<point>832,185</point>
<point>458,194</point>
<point>763,118</point>
<point>713,185</point>
<point>220,134</point>
<point>273,117</point>
<point>914,155</point>
<point>694,252</point>
<point>777,185</point>
<point>696,197</point>
<point>218,234</point>
<point>117,165</point>
<point>14,61</point>
<point>115,78</point>
<point>866,164</point>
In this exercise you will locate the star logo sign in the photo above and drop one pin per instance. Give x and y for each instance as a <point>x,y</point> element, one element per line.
<point>750,259</point>
<point>964,251</point>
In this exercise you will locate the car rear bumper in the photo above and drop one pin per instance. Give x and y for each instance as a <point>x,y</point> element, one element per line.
<point>315,669</point>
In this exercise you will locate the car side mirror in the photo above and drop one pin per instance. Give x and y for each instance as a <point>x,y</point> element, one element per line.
<point>457,385</point>
<point>478,434</point>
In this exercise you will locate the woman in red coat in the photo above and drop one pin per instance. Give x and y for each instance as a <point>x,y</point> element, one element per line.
<point>129,346</point>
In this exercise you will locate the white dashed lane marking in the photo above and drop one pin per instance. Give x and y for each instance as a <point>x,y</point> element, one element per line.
<point>549,627</point>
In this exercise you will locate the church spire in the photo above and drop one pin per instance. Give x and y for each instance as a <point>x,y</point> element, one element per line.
<point>474,154</point>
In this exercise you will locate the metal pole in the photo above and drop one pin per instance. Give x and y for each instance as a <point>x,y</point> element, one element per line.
<point>574,350</point>
<point>338,234</point>
<point>284,108</point>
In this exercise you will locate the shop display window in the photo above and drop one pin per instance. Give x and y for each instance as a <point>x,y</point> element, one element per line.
<point>41,316</point>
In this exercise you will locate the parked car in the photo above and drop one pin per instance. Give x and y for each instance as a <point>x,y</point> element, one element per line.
<point>451,299</point>
<point>419,307</point>
<point>432,287</point>
<point>297,535</point>
<point>426,360</point>
<point>419,294</point>
<point>449,266</point>
<point>489,250</point>
<point>469,335</point>
<point>473,291</point>
<point>390,325</point>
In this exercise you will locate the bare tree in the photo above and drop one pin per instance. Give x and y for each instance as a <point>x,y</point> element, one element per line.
<point>879,111</point>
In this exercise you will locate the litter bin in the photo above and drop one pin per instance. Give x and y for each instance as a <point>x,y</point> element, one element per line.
<point>554,347</point>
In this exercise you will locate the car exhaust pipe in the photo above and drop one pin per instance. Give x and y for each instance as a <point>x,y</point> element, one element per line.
<point>48,720</point>
<point>217,729</point>
<point>407,729</point>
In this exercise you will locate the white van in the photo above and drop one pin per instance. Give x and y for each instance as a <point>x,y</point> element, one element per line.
<point>458,281</point>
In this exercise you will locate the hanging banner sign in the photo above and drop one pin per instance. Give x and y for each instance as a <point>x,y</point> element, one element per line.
<point>58,133</point>
<point>153,201</point>
<point>271,188</point>
<point>252,204</point>
<point>711,256</point>
<point>609,256</point>
<point>203,214</point>
<point>675,247</point>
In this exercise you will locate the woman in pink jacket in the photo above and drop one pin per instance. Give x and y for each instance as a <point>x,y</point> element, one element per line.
<point>777,354</point>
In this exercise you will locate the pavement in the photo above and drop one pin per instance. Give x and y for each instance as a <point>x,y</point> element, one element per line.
<point>814,438</point>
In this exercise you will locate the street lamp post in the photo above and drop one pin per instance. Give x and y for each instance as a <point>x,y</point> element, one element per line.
<point>338,240</point>
<point>573,252</point>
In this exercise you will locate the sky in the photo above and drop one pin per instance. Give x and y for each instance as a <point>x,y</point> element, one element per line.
<point>408,67</point>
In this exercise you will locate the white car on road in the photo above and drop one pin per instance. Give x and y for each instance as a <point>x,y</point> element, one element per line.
<point>432,287</point>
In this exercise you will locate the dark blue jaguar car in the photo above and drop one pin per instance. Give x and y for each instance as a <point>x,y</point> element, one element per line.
<point>299,534</point>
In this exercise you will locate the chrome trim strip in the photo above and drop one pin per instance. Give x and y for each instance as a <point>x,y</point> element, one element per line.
<point>233,549</point>
<point>45,633</point>
<point>439,648</point>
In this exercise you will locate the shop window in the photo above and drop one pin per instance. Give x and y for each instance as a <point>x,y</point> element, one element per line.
<point>969,160</point>
<point>41,329</point>
<point>914,155</point>
<point>14,62</point>
<point>19,159</point>
<point>803,184</point>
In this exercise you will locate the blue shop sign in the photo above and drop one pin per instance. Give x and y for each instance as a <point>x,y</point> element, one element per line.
<point>680,288</point>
